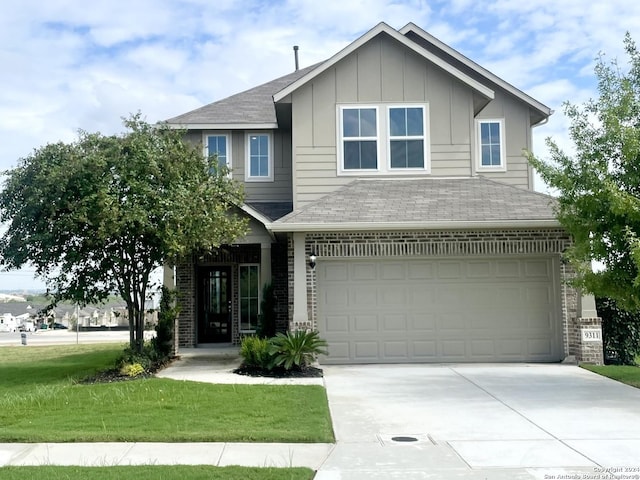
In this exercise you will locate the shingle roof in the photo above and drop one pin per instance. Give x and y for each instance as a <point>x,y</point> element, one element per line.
<point>272,210</point>
<point>426,200</point>
<point>253,106</point>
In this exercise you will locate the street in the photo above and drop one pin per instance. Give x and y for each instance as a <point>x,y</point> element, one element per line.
<point>61,337</point>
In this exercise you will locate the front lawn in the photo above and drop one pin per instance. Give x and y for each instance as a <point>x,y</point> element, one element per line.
<point>181,472</point>
<point>41,401</point>
<point>622,373</point>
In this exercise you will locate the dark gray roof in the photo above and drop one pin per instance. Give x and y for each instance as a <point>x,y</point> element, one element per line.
<point>272,210</point>
<point>251,106</point>
<point>428,200</point>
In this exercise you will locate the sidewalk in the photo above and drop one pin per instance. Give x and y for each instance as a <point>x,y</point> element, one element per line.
<point>310,455</point>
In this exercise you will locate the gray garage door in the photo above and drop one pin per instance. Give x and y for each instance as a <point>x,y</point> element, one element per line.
<point>446,310</point>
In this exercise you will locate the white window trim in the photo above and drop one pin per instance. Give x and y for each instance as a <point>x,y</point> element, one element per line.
<point>425,138</point>
<point>247,163</point>
<point>245,331</point>
<point>491,168</point>
<point>205,144</point>
<point>341,169</point>
<point>384,152</point>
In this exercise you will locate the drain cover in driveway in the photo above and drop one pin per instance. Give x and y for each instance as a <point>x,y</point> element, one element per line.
<point>407,439</point>
<point>404,439</point>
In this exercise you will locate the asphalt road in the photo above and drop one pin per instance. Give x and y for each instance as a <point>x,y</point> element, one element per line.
<point>62,337</point>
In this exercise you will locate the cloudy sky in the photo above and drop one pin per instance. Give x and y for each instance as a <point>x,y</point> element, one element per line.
<point>71,64</point>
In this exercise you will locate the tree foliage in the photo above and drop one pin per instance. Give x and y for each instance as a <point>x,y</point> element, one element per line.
<point>599,186</point>
<point>98,215</point>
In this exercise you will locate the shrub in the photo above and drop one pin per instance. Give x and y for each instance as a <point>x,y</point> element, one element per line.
<point>255,352</point>
<point>163,341</point>
<point>620,332</point>
<point>132,369</point>
<point>296,350</point>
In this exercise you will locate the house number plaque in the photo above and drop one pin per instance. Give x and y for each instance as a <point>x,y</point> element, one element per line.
<point>591,335</point>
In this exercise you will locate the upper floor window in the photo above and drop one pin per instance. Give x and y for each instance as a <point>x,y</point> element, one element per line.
<point>491,145</point>
<point>360,138</point>
<point>219,146</point>
<point>259,165</point>
<point>406,137</point>
<point>382,139</point>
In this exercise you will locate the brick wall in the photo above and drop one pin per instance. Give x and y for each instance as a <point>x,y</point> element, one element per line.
<point>280,282</point>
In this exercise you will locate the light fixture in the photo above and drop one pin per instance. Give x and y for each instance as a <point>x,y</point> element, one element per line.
<point>312,260</point>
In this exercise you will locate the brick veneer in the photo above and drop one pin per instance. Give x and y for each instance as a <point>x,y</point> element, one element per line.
<point>512,242</point>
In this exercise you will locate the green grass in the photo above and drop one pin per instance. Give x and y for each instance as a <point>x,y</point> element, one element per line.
<point>622,373</point>
<point>198,472</point>
<point>40,401</point>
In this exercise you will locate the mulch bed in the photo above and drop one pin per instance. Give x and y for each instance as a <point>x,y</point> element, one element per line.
<point>305,372</point>
<point>113,375</point>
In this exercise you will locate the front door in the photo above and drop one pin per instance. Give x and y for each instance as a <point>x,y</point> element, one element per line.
<point>214,312</point>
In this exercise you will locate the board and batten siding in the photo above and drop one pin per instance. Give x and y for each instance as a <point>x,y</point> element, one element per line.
<point>385,72</point>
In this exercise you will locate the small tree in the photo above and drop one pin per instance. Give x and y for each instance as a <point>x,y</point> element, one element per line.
<point>100,214</point>
<point>599,187</point>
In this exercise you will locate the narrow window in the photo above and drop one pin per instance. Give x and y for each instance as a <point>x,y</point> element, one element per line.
<point>359,138</point>
<point>249,297</point>
<point>491,144</point>
<point>217,146</point>
<point>406,137</point>
<point>259,157</point>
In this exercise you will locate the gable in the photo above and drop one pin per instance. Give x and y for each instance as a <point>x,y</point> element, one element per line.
<point>483,94</point>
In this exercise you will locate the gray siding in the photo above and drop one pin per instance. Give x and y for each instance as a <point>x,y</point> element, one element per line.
<point>384,71</point>
<point>517,135</point>
<point>280,189</point>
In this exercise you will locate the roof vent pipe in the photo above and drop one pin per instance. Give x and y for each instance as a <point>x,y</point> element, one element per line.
<point>295,55</point>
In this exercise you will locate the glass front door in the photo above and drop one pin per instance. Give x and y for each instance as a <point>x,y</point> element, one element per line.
<point>214,312</point>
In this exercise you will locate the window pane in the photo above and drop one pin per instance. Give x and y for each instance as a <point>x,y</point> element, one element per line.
<point>368,154</point>
<point>397,122</point>
<point>495,155</point>
<point>415,123</point>
<point>398,154</point>
<point>486,155</point>
<point>494,129</point>
<point>259,156</point>
<point>415,154</point>
<point>368,122</point>
<point>350,123</point>
<point>358,155</point>
<point>484,133</point>
<point>351,155</point>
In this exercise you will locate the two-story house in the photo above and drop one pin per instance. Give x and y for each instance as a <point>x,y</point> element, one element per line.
<point>392,209</point>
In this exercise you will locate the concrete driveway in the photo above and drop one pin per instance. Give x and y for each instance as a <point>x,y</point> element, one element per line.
<point>480,422</point>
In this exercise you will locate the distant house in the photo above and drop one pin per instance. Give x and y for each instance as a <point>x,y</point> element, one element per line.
<point>392,209</point>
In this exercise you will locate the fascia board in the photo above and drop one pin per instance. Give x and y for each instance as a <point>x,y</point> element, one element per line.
<point>376,226</point>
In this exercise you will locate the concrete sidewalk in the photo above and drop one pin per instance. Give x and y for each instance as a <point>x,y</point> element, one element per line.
<point>217,454</point>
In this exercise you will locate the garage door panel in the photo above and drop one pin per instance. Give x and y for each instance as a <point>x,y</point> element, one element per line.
<point>365,324</point>
<point>420,270</point>
<point>366,351</point>
<point>449,270</point>
<point>336,324</point>
<point>364,272</point>
<point>394,323</point>
<point>395,350</point>
<point>439,310</point>
<point>333,271</point>
<point>392,271</point>
<point>392,295</point>
<point>424,350</point>
<point>536,269</point>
